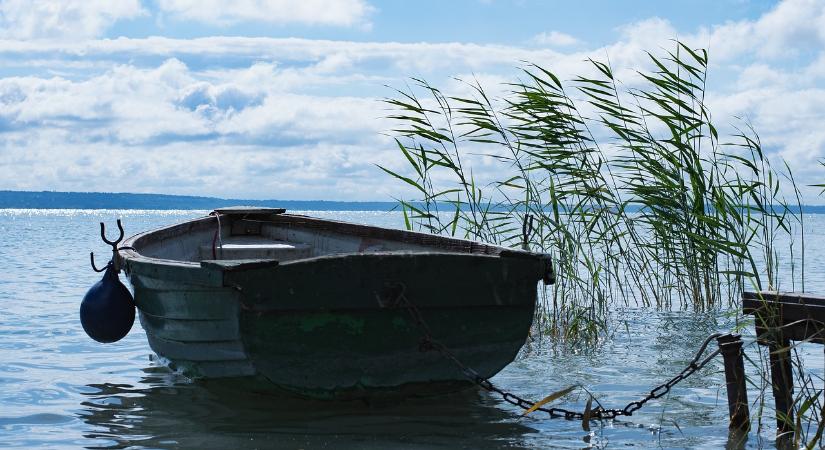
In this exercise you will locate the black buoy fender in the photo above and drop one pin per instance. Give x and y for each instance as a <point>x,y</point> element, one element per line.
<point>107,311</point>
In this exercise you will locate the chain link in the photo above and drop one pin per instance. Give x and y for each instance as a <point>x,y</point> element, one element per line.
<point>429,344</point>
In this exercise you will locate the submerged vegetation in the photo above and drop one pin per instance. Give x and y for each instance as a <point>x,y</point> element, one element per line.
<point>631,188</point>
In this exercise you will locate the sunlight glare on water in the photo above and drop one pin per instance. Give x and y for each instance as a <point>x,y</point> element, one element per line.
<point>60,389</point>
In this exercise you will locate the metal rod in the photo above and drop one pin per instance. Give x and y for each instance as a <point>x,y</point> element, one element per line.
<point>731,346</point>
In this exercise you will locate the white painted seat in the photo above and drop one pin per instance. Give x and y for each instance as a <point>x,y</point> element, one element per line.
<point>255,247</point>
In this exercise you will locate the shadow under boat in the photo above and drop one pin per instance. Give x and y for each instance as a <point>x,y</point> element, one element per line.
<point>167,412</point>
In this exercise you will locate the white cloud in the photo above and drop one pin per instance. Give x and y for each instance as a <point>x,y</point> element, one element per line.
<point>400,58</point>
<point>230,170</point>
<point>64,19</point>
<point>555,39</point>
<point>792,27</point>
<point>345,13</point>
<point>299,118</point>
<point>761,75</point>
<point>170,103</point>
<point>231,133</point>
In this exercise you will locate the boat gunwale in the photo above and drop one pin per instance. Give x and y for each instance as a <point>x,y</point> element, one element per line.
<point>128,251</point>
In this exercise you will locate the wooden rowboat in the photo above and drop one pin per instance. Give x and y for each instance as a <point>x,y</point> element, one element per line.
<point>325,308</point>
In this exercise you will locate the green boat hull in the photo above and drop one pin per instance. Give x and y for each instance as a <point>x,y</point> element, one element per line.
<point>342,325</point>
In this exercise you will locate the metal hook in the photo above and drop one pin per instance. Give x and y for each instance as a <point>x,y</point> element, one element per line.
<point>114,261</point>
<point>94,267</point>
<point>103,234</point>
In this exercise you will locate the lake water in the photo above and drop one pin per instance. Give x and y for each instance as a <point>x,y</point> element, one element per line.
<point>60,389</point>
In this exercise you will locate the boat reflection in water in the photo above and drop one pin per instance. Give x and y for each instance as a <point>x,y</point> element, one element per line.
<point>168,411</point>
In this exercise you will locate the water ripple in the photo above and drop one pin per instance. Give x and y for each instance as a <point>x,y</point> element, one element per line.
<point>59,389</point>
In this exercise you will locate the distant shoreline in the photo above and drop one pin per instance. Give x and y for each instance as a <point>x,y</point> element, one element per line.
<point>123,200</point>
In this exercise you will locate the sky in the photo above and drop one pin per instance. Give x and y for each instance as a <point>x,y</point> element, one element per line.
<point>277,99</point>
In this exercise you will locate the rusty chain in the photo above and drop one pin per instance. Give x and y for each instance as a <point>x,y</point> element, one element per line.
<point>429,344</point>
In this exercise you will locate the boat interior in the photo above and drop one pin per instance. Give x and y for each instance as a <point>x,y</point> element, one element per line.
<point>243,233</point>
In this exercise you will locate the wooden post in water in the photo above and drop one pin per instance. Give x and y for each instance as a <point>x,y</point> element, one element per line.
<point>782,381</point>
<point>731,346</point>
<point>782,317</point>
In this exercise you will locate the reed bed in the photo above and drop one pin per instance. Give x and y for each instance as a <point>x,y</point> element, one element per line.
<point>632,190</point>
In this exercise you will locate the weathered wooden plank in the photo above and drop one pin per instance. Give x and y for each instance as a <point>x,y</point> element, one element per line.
<point>782,384</point>
<point>238,248</point>
<point>234,265</point>
<point>380,348</point>
<point>435,242</point>
<point>216,304</point>
<point>246,210</point>
<point>736,383</point>
<point>805,330</point>
<point>778,319</point>
<point>197,351</point>
<point>780,316</point>
<point>785,297</point>
<point>168,232</point>
<point>180,272</point>
<point>377,280</point>
<point>157,284</point>
<point>190,330</point>
<point>783,312</point>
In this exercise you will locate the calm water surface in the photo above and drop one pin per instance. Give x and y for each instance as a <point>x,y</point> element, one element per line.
<point>60,389</point>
